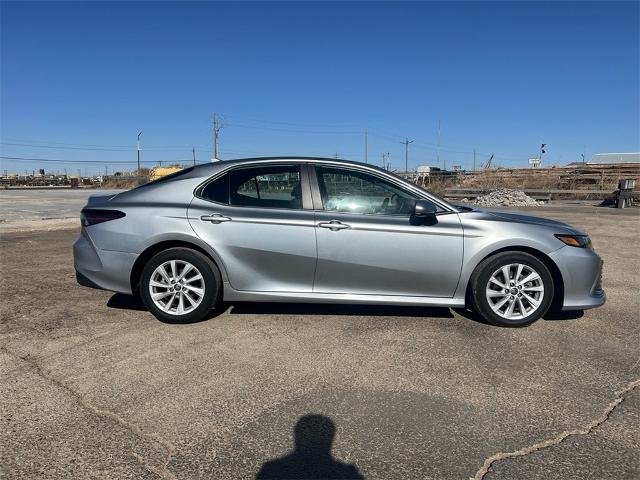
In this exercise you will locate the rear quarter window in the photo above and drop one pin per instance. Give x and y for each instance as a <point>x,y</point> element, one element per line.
<point>217,190</point>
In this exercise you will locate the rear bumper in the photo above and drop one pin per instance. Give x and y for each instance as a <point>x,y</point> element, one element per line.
<point>103,269</point>
<point>581,270</point>
<point>86,282</point>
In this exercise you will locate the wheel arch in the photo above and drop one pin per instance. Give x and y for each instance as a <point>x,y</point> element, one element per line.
<point>558,281</point>
<point>150,251</point>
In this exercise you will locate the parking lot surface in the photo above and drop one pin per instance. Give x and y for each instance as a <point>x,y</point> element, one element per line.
<point>43,209</point>
<point>95,387</point>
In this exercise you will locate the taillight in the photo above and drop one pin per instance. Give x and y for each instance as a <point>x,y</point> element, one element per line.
<point>91,216</point>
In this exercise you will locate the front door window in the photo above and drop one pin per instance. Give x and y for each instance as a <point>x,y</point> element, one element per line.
<point>350,191</point>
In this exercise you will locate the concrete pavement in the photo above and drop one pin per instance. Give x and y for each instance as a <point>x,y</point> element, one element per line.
<point>95,387</point>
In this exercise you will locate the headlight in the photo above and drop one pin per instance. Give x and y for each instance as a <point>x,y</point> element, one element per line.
<point>580,241</point>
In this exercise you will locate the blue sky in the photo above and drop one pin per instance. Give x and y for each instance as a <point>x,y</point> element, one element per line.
<point>81,79</point>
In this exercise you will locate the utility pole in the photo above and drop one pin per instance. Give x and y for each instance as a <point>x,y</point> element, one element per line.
<point>366,146</point>
<point>385,160</point>
<point>474,159</point>
<point>406,153</point>
<point>336,155</point>
<point>216,135</point>
<point>139,133</point>
<point>445,163</point>
<point>193,150</point>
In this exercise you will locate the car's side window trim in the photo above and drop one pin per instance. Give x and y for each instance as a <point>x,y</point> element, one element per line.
<point>304,186</point>
<point>318,204</point>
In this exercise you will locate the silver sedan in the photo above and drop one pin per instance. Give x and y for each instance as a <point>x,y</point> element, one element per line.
<point>331,231</point>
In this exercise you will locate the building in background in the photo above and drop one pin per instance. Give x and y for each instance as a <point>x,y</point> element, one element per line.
<point>614,158</point>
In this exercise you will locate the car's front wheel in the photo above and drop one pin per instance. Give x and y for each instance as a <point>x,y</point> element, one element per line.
<point>180,285</point>
<point>512,289</point>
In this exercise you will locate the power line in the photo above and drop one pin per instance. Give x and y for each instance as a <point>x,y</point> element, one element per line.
<point>188,149</point>
<point>271,122</point>
<point>124,148</point>
<point>69,147</point>
<point>255,127</point>
<point>97,148</point>
<point>121,162</point>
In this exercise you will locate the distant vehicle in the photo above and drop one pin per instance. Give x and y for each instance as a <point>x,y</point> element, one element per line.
<point>330,231</point>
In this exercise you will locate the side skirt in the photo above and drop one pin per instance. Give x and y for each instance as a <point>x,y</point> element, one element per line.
<point>231,295</point>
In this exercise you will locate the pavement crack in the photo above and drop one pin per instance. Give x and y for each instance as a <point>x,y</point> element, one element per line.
<point>604,416</point>
<point>161,471</point>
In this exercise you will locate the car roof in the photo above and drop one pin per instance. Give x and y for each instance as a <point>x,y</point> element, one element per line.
<point>293,159</point>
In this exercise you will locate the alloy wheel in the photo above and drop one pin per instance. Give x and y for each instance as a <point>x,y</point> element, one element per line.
<point>176,287</point>
<point>515,291</point>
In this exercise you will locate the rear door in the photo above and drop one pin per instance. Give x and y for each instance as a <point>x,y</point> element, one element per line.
<point>260,222</point>
<point>368,242</point>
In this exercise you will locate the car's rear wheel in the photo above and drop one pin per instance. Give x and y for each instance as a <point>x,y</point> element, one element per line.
<point>180,285</point>
<point>512,289</point>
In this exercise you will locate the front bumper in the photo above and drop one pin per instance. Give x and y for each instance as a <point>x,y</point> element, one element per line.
<point>581,270</point>
<point>104,269</point>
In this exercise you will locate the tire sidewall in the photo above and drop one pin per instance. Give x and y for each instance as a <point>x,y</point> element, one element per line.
<point>483,273</point>
<point>209,272</point>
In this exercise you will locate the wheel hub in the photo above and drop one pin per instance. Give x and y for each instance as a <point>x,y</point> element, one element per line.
<point>515,291</point>
<point>177,287</point>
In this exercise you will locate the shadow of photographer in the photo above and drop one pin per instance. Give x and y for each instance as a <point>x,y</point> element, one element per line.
<point>311,457</point>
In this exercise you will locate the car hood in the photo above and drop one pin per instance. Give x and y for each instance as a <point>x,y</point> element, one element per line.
<point>502,216</point>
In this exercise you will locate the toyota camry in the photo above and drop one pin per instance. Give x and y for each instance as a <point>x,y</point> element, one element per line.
<point>326,231</point>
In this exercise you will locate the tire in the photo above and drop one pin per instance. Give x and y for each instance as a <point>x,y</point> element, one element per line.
<point>530,299</point>
<point>185,295</point>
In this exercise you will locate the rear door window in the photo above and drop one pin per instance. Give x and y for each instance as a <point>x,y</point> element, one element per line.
<point>266,186</point>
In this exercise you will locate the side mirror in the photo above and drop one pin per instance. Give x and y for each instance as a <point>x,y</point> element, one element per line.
<point>424,209</point>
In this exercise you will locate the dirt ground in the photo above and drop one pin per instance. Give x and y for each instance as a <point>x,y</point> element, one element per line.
<point>93,386</point>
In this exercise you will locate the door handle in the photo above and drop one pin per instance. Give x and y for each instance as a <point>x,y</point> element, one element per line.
<point>215,218</point>
<point>334,225</point>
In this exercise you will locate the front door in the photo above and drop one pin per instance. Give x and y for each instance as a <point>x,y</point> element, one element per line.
<point>368,243</point>
<point>254,219</point>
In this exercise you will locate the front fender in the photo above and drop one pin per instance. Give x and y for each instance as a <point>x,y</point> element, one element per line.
<point>483,238</point>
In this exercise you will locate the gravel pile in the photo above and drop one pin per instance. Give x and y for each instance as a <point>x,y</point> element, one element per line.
<point>506,197</point>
